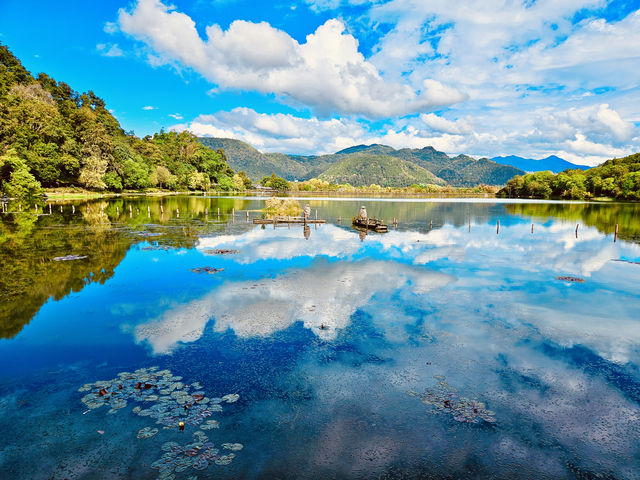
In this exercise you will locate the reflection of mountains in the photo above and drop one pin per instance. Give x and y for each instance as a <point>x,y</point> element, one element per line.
<point>28,243</point>
<point>602,216</point>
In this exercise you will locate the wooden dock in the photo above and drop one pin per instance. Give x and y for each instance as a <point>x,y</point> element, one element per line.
<point>370,224</point>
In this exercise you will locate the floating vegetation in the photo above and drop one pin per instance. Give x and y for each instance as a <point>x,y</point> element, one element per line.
<point>444,398</point>
<point>66,258</point>
<point>234,447</point>
<point>221,251</point>
<point>173,404</point>
<point>199,455</point>
<point>571,279</point>
<point>231,398</point>
<point>147,432</point>
<point>210,270</point>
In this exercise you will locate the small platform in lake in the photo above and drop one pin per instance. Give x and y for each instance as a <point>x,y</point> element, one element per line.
<point>370,224</point>
<point>282,219</point>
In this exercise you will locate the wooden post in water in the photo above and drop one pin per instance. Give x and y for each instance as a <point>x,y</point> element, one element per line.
<point>469,224</point>
<point>117,211</point>
<point>137,211</point>
<point>49,209</point>
<point>130,209</point>
<point>206,211</point>
<point>218,213</point>
<point>577,225</point>
<point>339,219</point>
<point>247,216</point>
<point>60,208</point>
<point>615,235</point>
<point>73,209</point>
<point>430,224</point>
<point>178,212</point>
<point>36,207</point>
<point>148,211</point>
<point>532,228</point>
<point>233,212</point>
<point>161,209</point>
<point>498,227</point>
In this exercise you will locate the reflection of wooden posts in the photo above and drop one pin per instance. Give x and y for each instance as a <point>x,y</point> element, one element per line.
<point>73,209</point>
<point>36,205</point>
<point>316,214</point>
<point>247,216</point>
<point>20,207</point>
<point>130,209</point>
<point>218,213</point>
<point>498,228</point>
<point>117,211</point>
<point>148,211</point>
<point>101,210</point>
<point>339,219</point>
<point>532,228</point>
<point>177,212</point>
<point>49,209</point>
<point>233,212</point>
<point>161,209</point>
<point>615,235</point>
<point>206,211</point>
<point>469,224</point>
<point>577,230</point>
<point>60,208</point>
<point>289,222</point>
<point>430,224</point>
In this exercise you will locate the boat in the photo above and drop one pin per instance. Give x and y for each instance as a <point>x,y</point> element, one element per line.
<point>370,224</point>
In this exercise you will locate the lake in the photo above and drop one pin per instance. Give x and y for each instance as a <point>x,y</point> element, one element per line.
<point>449,347</point>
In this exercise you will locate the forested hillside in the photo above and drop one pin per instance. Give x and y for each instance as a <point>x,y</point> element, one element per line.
<point>617,178</point>
<point>354,164</point>
<point>52,136</point>
<point>362,168</point>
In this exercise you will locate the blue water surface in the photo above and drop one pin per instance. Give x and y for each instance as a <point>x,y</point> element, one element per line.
<point>328,339</point>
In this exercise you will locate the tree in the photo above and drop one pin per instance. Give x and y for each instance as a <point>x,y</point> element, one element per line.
<point>161,176</point>
<point>279,184</point>
<point>20,182</point>
<point>92,173</point>
<point>238,183</point>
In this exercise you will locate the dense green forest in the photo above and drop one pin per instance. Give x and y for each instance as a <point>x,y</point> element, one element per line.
<point>52,136</point>
<point>617,178</point>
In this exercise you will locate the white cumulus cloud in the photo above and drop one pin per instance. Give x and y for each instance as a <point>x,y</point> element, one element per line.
<point>326,73</point>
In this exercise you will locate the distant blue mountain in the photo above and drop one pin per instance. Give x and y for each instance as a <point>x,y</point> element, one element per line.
<point>553,163</point>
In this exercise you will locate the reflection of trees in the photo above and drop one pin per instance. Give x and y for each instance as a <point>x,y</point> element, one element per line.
<point>599,215</point>
<point>29,274</point>
<point>28,243</point>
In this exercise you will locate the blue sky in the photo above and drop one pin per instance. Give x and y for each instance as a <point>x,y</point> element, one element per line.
<point>487,78</point>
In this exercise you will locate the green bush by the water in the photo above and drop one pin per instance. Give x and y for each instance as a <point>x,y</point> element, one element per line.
<point>617,178</point>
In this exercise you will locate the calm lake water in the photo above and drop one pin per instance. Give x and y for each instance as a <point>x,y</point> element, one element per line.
<point>432,351</point>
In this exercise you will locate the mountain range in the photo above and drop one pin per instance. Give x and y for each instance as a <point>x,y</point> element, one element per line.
<point>553,163</point>
<point>367,164</point>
